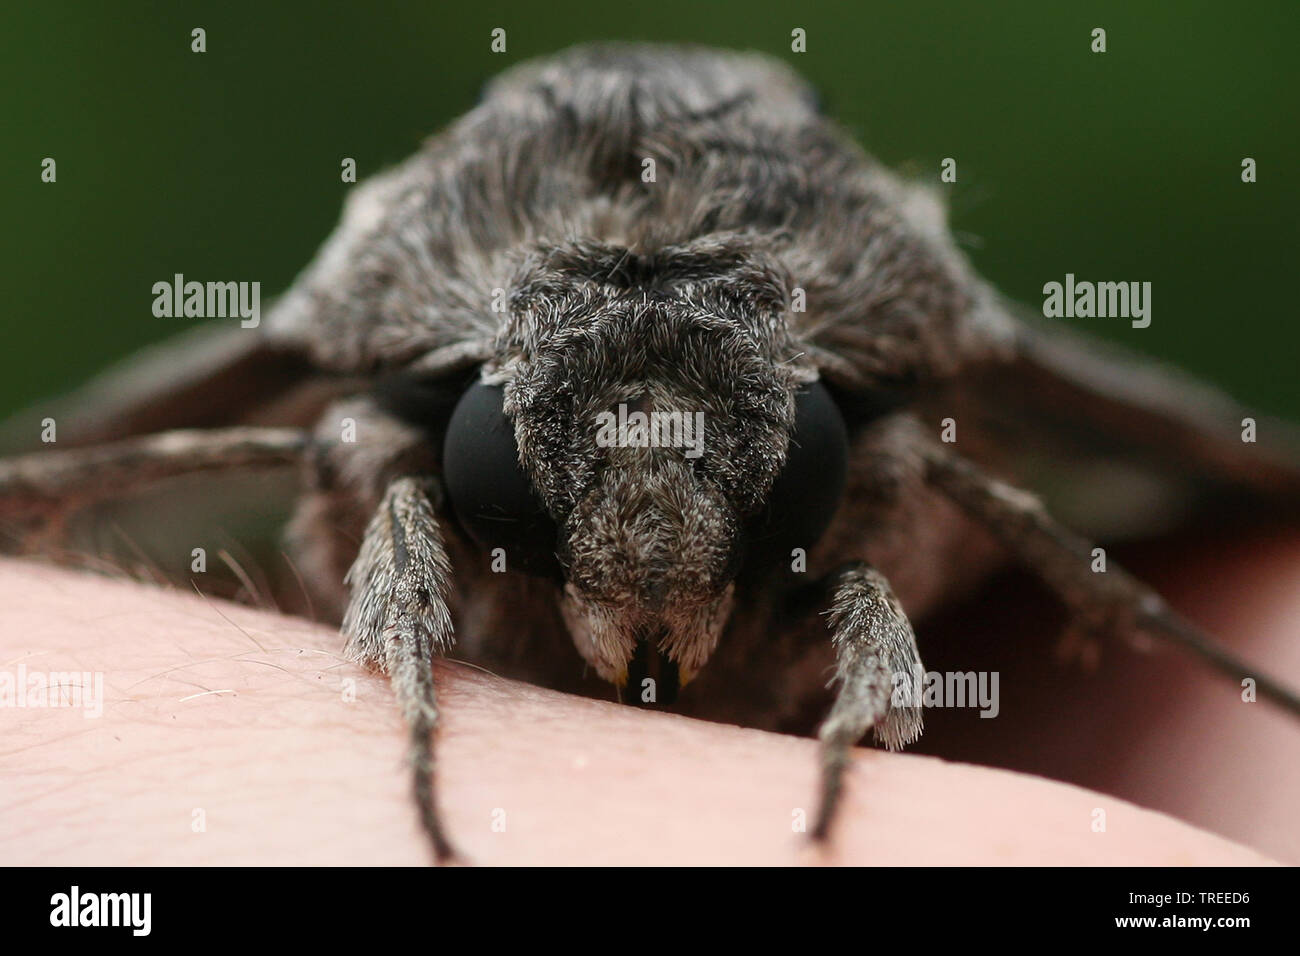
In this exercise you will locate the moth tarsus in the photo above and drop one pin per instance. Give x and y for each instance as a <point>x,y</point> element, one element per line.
<point>484,304</point>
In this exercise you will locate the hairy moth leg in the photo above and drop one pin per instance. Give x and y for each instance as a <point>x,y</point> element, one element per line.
<point>38,489</point>
<point>396,615</point>
<point>1111,603</point>
<point>874,645</point>
<point>397,618</point>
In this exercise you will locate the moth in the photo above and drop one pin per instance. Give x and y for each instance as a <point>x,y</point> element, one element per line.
<point>487,375</point>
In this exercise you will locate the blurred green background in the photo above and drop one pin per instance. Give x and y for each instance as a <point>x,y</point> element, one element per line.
<point>225,165</point>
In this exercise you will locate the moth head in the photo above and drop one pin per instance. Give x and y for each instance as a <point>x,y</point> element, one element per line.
<point>649,449</point>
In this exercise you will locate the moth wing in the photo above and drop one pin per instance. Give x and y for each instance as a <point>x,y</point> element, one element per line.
<point>212,375</point>
<point>1117,445</point>
<point>336,326</point>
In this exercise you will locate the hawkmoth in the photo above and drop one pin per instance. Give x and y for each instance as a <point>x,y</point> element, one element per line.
<point>638,368</point>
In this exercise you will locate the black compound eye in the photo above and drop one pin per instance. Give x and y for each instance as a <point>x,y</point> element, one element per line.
<point>491,497</point>
<point>807,492</point>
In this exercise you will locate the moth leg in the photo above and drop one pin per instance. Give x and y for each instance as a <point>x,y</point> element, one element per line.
<point>38,489</point>
<point>874,646</point>
<point>1113,602</point>
<point>397,618</point>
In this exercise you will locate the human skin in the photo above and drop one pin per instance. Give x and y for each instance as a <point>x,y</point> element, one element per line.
<point>236,736</point>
